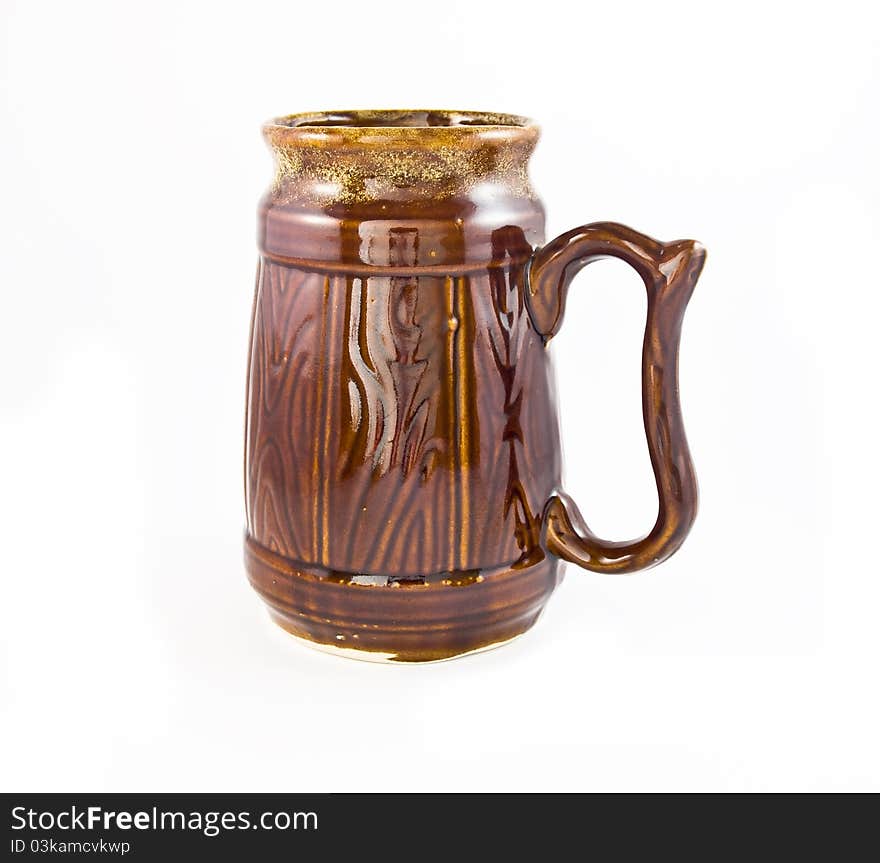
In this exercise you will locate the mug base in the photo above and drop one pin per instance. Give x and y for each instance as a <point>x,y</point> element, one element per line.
<point>393,619</point>
<point>374,655</point>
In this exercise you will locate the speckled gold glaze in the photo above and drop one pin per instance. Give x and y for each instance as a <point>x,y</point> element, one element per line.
<point>402,464</point>
<point>360,156</point>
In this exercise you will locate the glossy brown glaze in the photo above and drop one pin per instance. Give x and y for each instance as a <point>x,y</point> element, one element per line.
<point>402,468</point>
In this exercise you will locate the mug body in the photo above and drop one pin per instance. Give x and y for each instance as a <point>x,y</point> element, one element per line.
<point>401,438</point>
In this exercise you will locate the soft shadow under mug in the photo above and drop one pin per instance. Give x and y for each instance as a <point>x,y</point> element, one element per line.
<point>402,462</point>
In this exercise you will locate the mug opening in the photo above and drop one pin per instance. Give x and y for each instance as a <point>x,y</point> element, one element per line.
<point>402,119</point>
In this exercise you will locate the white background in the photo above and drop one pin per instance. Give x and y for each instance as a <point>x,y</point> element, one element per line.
<point>136,655</point>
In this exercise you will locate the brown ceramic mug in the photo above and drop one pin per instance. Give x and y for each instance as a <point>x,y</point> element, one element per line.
<point>402,463</point>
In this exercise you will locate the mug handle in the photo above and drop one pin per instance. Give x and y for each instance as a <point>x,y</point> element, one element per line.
<point>670,272</point>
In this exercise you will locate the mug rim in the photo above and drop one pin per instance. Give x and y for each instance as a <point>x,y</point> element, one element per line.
<point>376,119</point>
<point>409,129</point>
